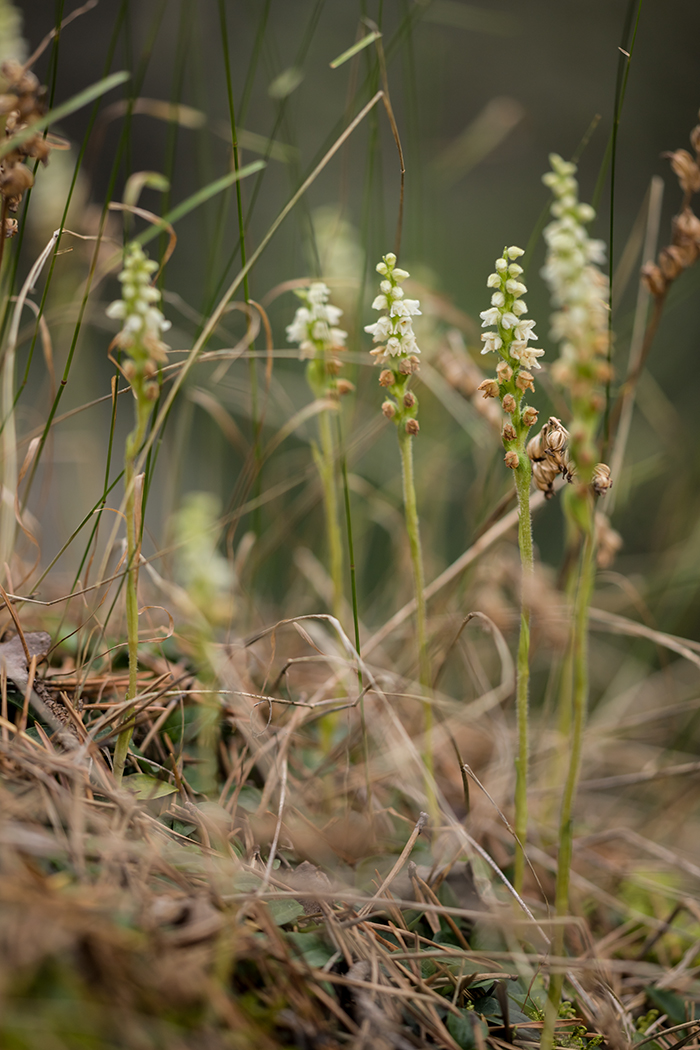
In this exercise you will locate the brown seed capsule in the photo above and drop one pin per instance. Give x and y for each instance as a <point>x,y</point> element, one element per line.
<point>389,409</point>
<point>386,377</point>
<point>333,366</point>
<point>489,388</point>
<point>409,399</point>
<point>412,427</point>
<point>14,181</point>
<point>409,365</point>
<point>509,404</point>
<point>344,386</point>
<point>686,170</point>
<point>529,416</point>
<point>11,227</point>
<point>602,481</point>
<point>151,391</point>
<point>511,459</point>
<point>653,279</point>
<point>504,372</point>
<point>508,433</point>
<point>544,473</point>
<point>525,380</point>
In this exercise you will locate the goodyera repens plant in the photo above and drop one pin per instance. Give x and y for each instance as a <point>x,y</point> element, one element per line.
<point>580,324</point>
<point>139,339</point>
<point>397,353</point>
<point>315,329</point>
<point>510,334</point>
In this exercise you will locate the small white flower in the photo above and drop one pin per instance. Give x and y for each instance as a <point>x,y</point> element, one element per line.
<point>489,317</point>
<point>516,288</point>
<point>399,275</point>
<point>405,308</point>
<point>524,330</point>
<point>385,286</point>
<point>501,265</point>
<point>509,320</point>
<point>381,268</point>
<point>498,299</point>
<point>492,342</point>
<point>380,329</point>
<point>528,357</point>
<point>514,270</point>
<point>494,280</point>
<point>380,303</point>
<point>514,252</point>
<point>519,307</point>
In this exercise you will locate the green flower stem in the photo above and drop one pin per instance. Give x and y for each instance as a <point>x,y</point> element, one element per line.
<point>133,444</point>
<point>413,529</point>
<point>326,463</point>
<point>580,709</point>
<point>522,478</point>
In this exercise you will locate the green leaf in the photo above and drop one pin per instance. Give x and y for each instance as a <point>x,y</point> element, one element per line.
<point>359,46</point>
<point>54,115</point>
<point>462,1028</point>
<point>668,1003</point>
<point>285,911</point>
<point>145,787</point>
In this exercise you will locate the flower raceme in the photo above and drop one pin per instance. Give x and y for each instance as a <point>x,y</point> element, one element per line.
<point>398,348</point>
<point>509,339</point>
<point>314,326</point>
<point>143,323</point>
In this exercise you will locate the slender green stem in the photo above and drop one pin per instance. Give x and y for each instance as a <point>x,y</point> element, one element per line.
<point>580,709</point>
<point>133,538</point>
<point>327,470</point>
<point>522,477</point>
<point>413,529</point>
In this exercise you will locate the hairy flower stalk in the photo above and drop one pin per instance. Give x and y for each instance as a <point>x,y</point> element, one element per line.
<point>579,293</point>
<point>139,339</point>
<point>397,353</point>
<point>315,329</point>
<point>511,332</point>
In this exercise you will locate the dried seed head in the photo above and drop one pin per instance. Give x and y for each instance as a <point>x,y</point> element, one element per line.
<point>386,377</point>
<point>509,404</point>
<point>333,366</point>
<point>151,391</point>
<point>389,409</point>
<point>654,279</point>
<point>544,473</point>
<point>344,386</point>
<point>525,380</point>
<point>686,170</point>
<point>602,481</point>
<point>504,372</point>
<point>15,181</point>
<point>409,365</point>
<point>412,427</point>
<point>489,388</point>
<point>529,416</point>
<point>509,432</point>
<point>11,227</point>
<point>409,399</point>
<point>555,435</point>
<point>511,459</point>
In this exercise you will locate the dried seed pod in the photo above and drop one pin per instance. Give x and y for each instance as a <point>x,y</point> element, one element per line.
<point>389,409</point>
<point>509,404</point>
<point>409,399</point>
<point>412,427</point>
<point>602,480</point>
<point>511,459</point>
<point>489,388</point>
<point>386,377</point>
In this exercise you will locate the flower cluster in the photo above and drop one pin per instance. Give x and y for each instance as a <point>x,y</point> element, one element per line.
<point>398,347</point>
<point>579,293</point>
<point>314,325</point>
<point>513,331</point>
<point>143,323</point>
<point>315,329</point>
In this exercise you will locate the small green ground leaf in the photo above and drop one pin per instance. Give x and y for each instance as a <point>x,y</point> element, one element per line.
<point>145,787</point>
<point>285,911</point>
<point>669,1003</point>
<point>462,1029</point>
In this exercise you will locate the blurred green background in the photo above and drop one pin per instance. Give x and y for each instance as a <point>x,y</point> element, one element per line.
<point>482,93</point>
